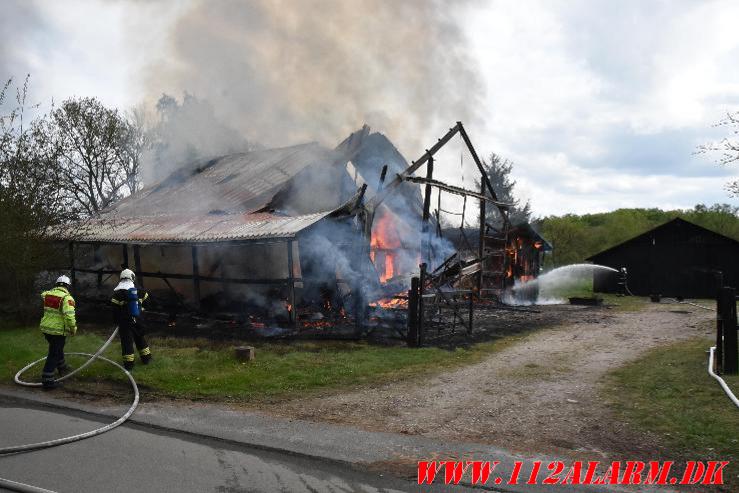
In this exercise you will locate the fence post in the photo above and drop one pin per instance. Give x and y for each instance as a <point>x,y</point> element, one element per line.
<point>728,324</point>
<point>412,337</point>
<point>719,360</point>
<point>421,321</point>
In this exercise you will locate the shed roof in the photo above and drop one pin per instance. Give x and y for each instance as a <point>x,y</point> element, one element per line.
<point>678,222</point>
<point>178,228</point>
<point>235,183</point>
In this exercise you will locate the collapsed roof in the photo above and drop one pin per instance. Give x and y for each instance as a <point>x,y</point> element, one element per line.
<point>263,194</point>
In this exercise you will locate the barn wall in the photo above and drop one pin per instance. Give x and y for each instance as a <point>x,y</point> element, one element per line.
<point>677,260</point>
<point>248,261</point>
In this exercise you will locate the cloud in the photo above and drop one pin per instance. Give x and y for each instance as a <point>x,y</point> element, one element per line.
<point>602,104</point>
<point>595,101</point>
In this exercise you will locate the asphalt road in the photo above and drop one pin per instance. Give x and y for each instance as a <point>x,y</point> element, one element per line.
<point>134,458</point>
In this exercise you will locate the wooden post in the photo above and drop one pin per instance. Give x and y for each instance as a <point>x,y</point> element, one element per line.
<point>412,336</point>
<point>244,353</point>
<point>195,276</point>
<point>421,321</point>
<point>426,240</point>
<point>481,246</point>
<point>293,314</point>
<point>96,258</point>
<point>719,355</point>
<point>72,271</point>
<point>472,313</point>
<point>728,323</point>
<point>125,256</point>
<point>137,263</point>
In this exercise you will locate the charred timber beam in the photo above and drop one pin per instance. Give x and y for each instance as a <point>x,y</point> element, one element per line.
<point>456,190</point>
<point>72,270</point>
<point>293,312</point>
<point>137,262</point>
<point>383,174</point>
<point>481,245</point>
<point>485,180</point>
<point>425,236</point>
<point>377,200</point>
<point>195,276</point>
<point>412,337</point>
<point>421,315</point>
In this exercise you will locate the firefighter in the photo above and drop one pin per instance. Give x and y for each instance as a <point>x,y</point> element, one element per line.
<point>127,304</point>
<point>58,322</point>
<point>623,288</point>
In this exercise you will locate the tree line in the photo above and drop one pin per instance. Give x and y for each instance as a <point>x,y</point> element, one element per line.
<point>577,237</point>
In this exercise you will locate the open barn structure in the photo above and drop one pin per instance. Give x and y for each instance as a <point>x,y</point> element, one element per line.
<point>295,237</point>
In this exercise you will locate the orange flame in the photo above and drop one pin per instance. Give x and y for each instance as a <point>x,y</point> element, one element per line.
<point>385,239</point>
<point>390,303</point>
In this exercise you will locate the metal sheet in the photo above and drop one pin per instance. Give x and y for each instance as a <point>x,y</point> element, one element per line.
<point>182,228</point>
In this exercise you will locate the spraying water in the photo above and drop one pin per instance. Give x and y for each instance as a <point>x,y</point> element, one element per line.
<point>567,276</point>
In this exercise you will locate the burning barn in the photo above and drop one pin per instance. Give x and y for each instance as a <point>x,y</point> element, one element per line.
<point>294,237</point>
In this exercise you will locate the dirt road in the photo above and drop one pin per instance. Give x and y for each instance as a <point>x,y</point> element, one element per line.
<point>540,394</point>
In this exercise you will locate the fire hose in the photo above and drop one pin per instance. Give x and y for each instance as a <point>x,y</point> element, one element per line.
<point>720,380</point>
<point>15,486</point>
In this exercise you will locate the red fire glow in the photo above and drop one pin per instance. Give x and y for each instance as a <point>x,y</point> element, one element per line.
<point>391,303</point>
<point>385,240</point>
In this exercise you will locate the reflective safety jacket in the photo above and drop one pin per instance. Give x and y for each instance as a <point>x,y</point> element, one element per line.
<point>59,317</point>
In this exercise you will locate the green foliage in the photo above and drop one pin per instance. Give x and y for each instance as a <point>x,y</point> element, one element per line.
<point>575,238</point>
<point>499,170</point>
<point>198,368</point>
<point>31,201</point>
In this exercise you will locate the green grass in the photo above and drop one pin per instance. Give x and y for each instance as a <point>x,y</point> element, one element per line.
<point>202,369</point>
<point>669,392</point>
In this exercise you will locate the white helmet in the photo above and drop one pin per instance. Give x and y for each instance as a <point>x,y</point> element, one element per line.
<point>128,274</point>
<point>63,280</point>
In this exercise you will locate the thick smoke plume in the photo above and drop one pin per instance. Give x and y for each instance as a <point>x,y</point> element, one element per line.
<point>284,72</point>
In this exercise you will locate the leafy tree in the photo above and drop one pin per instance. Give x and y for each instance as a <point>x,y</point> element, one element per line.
<point>32,202</point>
<point>499,170</point>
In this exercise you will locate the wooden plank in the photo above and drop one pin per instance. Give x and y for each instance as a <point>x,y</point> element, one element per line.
<point>412,336</point>
<point>72,270</point>
<point>293,314</point>
<point>425,239</point>
<point>456,190</point>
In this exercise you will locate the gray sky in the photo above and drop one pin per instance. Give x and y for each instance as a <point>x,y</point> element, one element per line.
<point>600,104</point>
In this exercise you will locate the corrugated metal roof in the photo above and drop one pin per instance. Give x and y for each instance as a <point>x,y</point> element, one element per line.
<point>235,183</point>
<point>186,228</point>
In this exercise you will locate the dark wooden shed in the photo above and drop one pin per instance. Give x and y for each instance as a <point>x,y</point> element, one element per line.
<point>678,258</point>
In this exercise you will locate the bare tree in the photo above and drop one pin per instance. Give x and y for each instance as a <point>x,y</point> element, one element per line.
<point>728,147</point>
<point>100,153</point>
<point>135,141</point>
